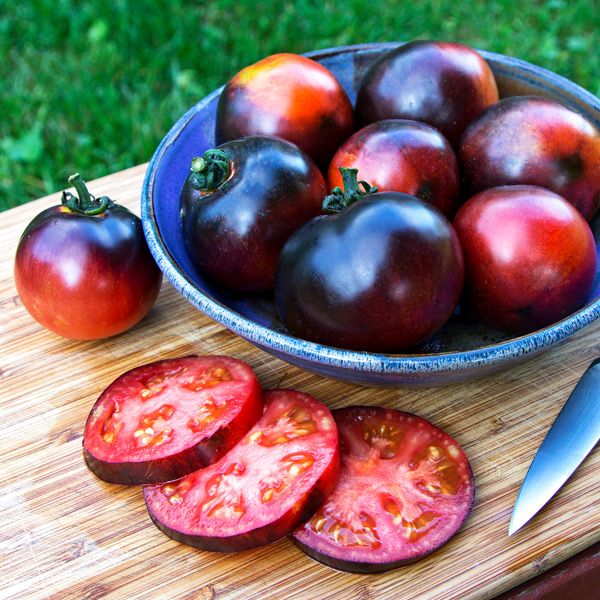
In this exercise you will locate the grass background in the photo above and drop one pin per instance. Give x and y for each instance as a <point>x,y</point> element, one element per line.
<point>93,86</point>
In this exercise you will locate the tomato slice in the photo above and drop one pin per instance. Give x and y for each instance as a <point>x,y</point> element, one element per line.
<point>163,420</point>
<point>405,489</point>
<point>269,483</point>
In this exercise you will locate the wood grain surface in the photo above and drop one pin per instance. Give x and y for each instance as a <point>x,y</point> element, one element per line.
<point>65,534</point>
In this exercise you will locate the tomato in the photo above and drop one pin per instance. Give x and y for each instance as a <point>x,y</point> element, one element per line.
<point>163,420</point>
<point>535,141</point>
<point>268,484</point>
<point>382,275</point>
<point>240,204</point>
<point>288,96</point>
<point>443,84</point>
<point>398,155</point>
<point>405,489</point>
<point>83,269</point>
<point>530,257</point>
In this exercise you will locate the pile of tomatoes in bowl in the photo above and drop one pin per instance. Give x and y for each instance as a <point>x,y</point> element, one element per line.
<point>371,223</point>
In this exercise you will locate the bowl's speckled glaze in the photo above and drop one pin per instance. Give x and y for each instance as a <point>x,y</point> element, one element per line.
<point>461,350</point>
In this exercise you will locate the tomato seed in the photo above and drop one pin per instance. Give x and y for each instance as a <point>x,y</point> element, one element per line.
<point>434,453</point>
<point>175,493</point>
<point>254,437</point>
<point>208,378</point>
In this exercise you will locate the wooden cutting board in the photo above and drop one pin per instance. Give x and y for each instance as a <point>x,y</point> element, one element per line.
<point>65,534</point>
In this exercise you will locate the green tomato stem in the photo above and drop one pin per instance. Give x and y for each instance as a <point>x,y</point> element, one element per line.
<point>84,203</point>
<point>340,199</point>
<point>210,170</point>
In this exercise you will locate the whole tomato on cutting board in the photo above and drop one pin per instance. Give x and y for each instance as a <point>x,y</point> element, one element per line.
<point>83,269</point>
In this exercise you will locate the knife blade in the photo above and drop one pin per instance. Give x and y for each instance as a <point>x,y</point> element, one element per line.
<point>571,438</point>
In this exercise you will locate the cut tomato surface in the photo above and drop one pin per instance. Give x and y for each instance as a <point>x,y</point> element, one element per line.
<point>271,481</point>
<point>163,420</point>
<point>405,489</point>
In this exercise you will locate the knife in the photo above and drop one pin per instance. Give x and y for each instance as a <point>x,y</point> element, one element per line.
<point>571,438</point>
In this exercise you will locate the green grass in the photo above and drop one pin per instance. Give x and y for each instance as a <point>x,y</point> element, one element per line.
<point>93,86</point>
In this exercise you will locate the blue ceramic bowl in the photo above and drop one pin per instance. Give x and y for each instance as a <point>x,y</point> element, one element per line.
<point>462,349</point>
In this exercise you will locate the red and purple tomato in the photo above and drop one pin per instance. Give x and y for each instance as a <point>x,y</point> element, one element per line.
<point>83,269</point>
<point>532,140</point>
<point>163,420</point>
<point>530,257</point>
<point>398,155</point>
<point>444,84</point>
<point>240,204</point>
<point>381,276</point>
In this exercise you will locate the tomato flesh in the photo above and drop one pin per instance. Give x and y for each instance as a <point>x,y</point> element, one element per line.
<point>263,488</point>
<point>405,489</point>
<point>163,420</point>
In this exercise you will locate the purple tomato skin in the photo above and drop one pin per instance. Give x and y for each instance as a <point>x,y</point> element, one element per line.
<point>534,141</point>
<point>443,84</point>
<point>398,155</point>
<point>530,257</point>
<point>86,276</point>
<point>235,232</point>
<point>382,275</point>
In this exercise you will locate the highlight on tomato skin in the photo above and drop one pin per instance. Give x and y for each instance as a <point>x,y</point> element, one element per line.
<point>263,488</point>
<point>161,421</point>
<point>288,96</point>
<point>405,489</point>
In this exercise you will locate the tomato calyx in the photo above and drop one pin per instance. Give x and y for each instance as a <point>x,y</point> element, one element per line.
<point>340,199</point>
<point>83,202</point>
<point>209,171</point>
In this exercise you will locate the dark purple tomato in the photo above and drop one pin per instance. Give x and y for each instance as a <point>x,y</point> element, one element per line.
<point>536,141</point>
<point>405,489</point>
<point>402,156</point>
<point>83,269</point>
<point>272,480</point>
<point>382,275</point>
<point>288,96</point>
<point>530,257</point>
<point>165,419</point>
<point>240,204</point>
<point>443,84</point>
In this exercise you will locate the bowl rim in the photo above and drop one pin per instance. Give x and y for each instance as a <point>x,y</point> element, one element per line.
<point>304,350</point>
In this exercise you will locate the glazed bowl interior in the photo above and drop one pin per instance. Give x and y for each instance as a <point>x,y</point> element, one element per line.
<point>463,349</point>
